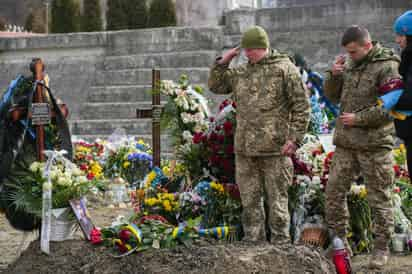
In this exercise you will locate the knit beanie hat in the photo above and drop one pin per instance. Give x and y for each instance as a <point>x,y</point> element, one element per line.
<point>255,38</point>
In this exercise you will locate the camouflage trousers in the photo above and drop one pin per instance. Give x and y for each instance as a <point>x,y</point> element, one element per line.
<point>263,184</point>
<point>376,168</point>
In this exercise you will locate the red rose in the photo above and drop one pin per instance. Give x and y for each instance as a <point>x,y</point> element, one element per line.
<point>234,104</point>
<point>125,235</point>
<point>227,165</point>
<point>214,159</point>
<point>213,136</point>
<point>90,176</point>
<point>227,126</point>
<point>218,128</point>
<point>397,170</point>
<point>84,167</point>
<point>316,152</point>
<point>96,236</point>
<point>233,190</point>
<point>197,138</point>
<point>229,149</point>
<point>212,119</point>
<point>220,138</point>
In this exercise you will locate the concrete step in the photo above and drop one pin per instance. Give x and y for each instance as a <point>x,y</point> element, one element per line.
<point>108,126</point>
<point>164,40</point>
<point>128,93</point>
<point>144,76</point>
<point>161,60</point>
<point>108,111</point>
<point>118,94</point>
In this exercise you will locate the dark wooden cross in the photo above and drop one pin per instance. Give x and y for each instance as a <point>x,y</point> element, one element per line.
<point>38,99</point>
<point>40,113</point>
<point>154,113</point>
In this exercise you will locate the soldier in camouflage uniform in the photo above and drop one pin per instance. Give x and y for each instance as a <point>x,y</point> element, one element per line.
<point>272,118</point>
<point>363,135</point>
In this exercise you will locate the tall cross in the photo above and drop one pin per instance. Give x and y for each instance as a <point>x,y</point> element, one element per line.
<point>40,113</point>
<point>154,113</point>
<point>38,98</point>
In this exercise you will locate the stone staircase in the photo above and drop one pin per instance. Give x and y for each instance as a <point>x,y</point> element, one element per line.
<point>123,83</point>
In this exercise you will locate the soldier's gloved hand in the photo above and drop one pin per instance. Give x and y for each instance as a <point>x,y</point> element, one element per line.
<point>229,55</point>
<point>339,65</point>
<point>289,148</point>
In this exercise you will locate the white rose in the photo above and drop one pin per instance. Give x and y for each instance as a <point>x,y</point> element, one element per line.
<point>187,136</point>
<point>186,117</point>
<point>76,172</point>
<point>63,181</point>
<point>82,179</point>
<point>54,175</point>
<point>35,166</point>
<point>355,189</point>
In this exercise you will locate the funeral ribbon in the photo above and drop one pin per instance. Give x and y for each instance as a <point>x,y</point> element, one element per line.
<point>52,157</point>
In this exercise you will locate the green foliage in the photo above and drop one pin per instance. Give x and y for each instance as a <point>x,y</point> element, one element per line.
<point>91,19</point>
<point>116,17</point>
<point>162,14</point>
<point>126,14</point>
<point>360,223</point>
<point>137,14</point>
<point>65,16</point>
<point>406,197</point>
<point>36,21</point>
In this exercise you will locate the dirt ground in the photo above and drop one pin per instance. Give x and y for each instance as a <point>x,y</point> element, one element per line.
<point>77,256</point>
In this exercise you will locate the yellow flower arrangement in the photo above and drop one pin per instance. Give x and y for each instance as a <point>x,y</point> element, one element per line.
<point>150,177</point>
<point>96,169</point>
<point>217,186</point>
<point>151,201</point>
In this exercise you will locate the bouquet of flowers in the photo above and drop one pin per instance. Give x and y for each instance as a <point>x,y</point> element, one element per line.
<point>218,206</point>
<point>68,182</point>
<point>185,114</point>
<point>88,157</point>
<point>146,233</point>
<point>128,159</point>
<point>360,236</point>
<point>219,143</point>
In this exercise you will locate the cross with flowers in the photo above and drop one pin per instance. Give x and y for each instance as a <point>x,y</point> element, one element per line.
<point>154,113</point>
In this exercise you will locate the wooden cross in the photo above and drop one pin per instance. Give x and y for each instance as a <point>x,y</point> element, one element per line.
<point>41,113</point>
<point>38,98</point>
<point>154,113</point>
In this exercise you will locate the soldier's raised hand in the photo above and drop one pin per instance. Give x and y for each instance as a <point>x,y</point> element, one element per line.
<point>229,55</point>
<point>339,65</point>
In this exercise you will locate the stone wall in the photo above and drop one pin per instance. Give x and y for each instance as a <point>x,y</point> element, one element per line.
<point>315,31</point>
<point>105,76</point>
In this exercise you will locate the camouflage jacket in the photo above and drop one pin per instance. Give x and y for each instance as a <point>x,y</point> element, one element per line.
<point>356,89</point>
<point>272,103</point>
